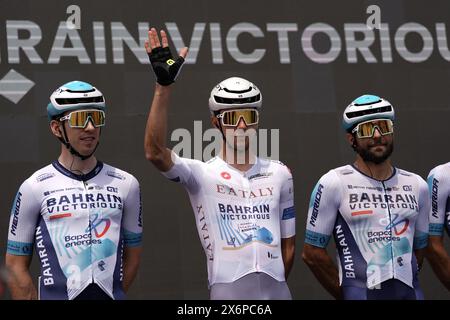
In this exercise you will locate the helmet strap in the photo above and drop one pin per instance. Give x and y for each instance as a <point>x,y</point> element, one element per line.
<point>65,141</point>
<point>220,124</point>
<point>354,141</point>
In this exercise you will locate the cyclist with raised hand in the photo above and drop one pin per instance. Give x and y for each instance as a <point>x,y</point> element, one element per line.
<point>378,214</point>
<point>83,215</point>
<point>244,211</point>
<point>439,189</point>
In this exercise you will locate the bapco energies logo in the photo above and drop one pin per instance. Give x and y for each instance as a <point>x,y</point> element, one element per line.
<point>100,226</point>
<point>399,226</point>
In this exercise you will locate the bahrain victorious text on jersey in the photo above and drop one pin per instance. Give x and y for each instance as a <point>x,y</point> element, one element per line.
<point>79,225</point>
<point>376,224</point>
<point>241,216</point>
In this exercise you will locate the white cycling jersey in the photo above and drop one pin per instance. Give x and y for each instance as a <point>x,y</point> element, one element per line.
<point>240,216</point>
<point>439,187</point>
<point>79,224</point>
<point>376,224</point>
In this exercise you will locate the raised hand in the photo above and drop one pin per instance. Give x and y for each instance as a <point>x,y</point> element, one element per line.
<point>164,65</point>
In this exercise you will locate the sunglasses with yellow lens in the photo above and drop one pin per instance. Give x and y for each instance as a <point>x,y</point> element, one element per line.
<point>232,117</point>
<point>367,129</point>
<point>80,118</point>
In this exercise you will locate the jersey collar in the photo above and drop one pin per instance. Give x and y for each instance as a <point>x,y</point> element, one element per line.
<point>80,177</point>
<point>394,172</point>
<point>254,167</point>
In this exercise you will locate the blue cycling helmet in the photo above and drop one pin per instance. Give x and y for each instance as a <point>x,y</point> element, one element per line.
<point>364,108</point>
<point>74,95</point>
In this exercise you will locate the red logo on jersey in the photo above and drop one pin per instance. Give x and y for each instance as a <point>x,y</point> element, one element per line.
<point>59,216</point>
<point>95,224</point>
<point>402,230</point>
<point>399,226</point>
<point>226,175</point>
<point>358,213</point>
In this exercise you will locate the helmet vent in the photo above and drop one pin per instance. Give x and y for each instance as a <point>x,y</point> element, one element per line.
<point>367,103</point>
<point>361,113</point>
<point>63,101</point>
<point>238,91</point>
<point>80,91</point>
<point>237,100</point>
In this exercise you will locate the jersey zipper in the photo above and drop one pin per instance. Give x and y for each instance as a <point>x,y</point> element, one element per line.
<point>85,185</point>
<point>390,229</point>
<point>246,183</point>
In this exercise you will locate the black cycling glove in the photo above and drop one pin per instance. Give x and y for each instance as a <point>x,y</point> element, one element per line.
<point>165,67</point>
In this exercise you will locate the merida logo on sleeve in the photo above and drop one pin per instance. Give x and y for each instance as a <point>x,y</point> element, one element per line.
<point>434,198</point>
<point>316,204</point>
<point>15,212</point>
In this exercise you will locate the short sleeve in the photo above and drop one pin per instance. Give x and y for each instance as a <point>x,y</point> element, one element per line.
<point>287,209</point>
<point>182,172</point>
<point>421,230</point>
<point>24,217</point>
<point>323,208</point>
<point>132,222</point>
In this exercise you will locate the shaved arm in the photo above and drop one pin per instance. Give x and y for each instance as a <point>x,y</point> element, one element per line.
<point>156,130</point>
<point>420,254</point>
<point>288,252</point>
<point>19,281</point>
<point>131,261</point>
<point>323,268</point>
<point>439,259</point>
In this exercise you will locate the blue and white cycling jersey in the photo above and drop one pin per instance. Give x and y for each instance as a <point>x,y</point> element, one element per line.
<point>79,225</point>
<point>439,187</point>
<point>241,216</point>
<point>376,224</point>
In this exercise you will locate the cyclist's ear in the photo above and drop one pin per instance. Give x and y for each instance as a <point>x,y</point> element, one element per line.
<point>352,140</point>
<point>215,122</point>
<point>354,143</point>
<point>55,127</point>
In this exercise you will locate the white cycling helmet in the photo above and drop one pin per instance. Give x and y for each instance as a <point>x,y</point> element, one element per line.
<point>364,108</point>
<point>234,93</point>
<point>74,95</point>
